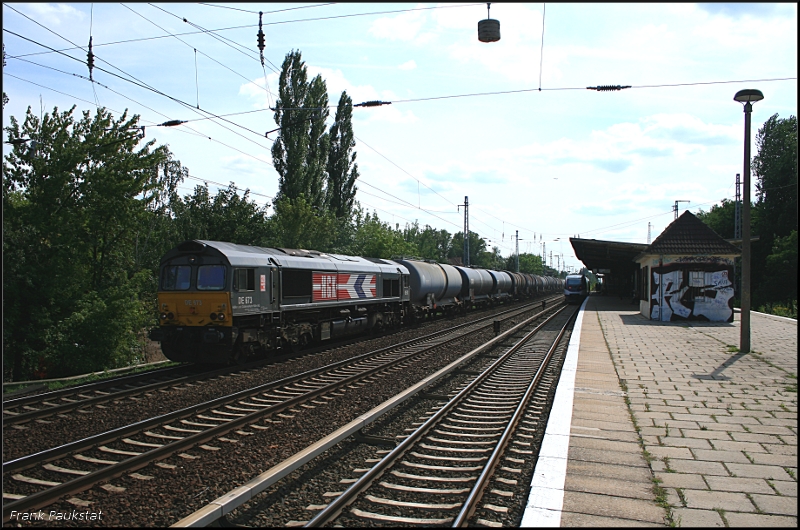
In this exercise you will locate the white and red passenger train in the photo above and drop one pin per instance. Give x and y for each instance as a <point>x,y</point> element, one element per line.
<point>221,302</point>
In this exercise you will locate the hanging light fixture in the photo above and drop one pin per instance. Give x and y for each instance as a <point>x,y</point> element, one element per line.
<point>489,29</point>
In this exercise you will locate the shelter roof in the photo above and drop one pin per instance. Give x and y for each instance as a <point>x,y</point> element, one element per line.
<point>689,235</point>
<point>612,255</point>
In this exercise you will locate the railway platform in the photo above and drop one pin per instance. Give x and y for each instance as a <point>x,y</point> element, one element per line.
<point>660,423</point>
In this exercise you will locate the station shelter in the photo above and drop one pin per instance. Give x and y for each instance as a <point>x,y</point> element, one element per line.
<point>613,261</point>
<point>687,273</point>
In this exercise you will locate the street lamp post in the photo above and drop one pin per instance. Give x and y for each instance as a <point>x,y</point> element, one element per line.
<point>748,97</point>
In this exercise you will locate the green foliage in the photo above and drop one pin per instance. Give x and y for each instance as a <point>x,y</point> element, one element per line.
<point>158,232</point>
<point>298,224</point>
<point>429,242</point>
<point>225,217</point>
<point>300,153</point>
<point>342,167</point>
<point>318,142</point>
<point>74,198</point>
<point>376,239</point>
<point>99,331</point>
<point>528,263</point>
<point>477,246</point>
<point>775,168</point>
<point>779,283</point>
<point>721,218</point>
<point>490,259</point>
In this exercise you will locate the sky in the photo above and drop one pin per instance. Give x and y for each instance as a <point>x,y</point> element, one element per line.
<point>508,124</point>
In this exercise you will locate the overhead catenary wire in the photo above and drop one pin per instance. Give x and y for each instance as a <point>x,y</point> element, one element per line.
<point>265,88</point>
<point>142,84</point>
<point>234,45</point>
<point>268,12</point>
<point>180,130</point>
<point>133,79</point>
<point>246,26</point>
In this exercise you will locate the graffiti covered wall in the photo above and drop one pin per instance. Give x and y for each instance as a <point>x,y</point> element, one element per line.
<point>691,290</point>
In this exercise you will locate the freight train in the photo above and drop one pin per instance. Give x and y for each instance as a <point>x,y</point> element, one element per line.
<point>222,302</point>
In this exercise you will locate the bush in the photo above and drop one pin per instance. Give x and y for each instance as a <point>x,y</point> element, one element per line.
<point>781,310</point>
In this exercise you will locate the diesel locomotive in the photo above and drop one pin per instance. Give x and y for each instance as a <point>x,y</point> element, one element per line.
<point>222,302</point>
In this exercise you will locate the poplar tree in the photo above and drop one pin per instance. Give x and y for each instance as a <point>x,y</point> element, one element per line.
<point>301,150</point>
<point>342,167</point>
<point>318,142</point>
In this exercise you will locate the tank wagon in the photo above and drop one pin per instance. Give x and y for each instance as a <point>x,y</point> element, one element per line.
<point>222,302</point>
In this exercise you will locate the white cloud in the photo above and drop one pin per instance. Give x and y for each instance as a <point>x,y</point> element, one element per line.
<point>408,65</point>
<point>403,27</point>
<point>256,90</point>
<point>54,14</point>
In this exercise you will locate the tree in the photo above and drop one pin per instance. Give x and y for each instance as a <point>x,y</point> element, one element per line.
<point>491,260</point>
<point>318,142</point>
<point>342,167</point>
<point>476,246</point>
<point>780,278</point>
<point>298,224</point>
<point>775,168</point>
<point>721,218</point>
<point>376,239</point>
<point>158,231</point>
<point>300,153</point>
<point>74,195</point>
<point>528,263</point>
<point>225,217</point>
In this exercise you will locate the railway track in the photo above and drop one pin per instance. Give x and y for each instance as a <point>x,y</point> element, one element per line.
<point>79,465</point>
<point>39,406</point>
<point>463,459</point>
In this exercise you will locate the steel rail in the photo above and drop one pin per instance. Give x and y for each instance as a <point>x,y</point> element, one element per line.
<point>89,387</point>
<point>335,507</point>
<point>45,497</point>
<point>12,419</point>
<point>476,493</point>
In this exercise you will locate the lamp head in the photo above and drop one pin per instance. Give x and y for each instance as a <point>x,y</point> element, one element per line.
<point>748,95</point>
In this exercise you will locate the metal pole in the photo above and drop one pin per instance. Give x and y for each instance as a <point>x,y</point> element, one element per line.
<point>737,227</point>
<point>745,328</point>
<point>466,231</point>
<point>517,250</point>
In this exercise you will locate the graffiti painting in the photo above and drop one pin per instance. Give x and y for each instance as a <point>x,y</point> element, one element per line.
<point>698,292</point>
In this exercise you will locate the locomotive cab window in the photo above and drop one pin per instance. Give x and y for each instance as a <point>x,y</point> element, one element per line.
<point>176,278</point>
<point>211,277</point>
<point>244,280</point>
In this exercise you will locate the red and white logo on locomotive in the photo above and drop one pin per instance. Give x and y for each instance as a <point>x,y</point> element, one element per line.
<point>327,286</point>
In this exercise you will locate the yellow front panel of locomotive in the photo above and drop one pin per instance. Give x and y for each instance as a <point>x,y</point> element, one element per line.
<point>195,309</point>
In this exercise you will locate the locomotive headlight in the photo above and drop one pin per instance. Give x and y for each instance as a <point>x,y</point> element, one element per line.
<point>170,316</point>
<point>163,316</point>
<point>213,316</point>
<point>221,316</point>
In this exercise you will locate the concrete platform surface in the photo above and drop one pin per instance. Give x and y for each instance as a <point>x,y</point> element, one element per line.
<point>669,425</point>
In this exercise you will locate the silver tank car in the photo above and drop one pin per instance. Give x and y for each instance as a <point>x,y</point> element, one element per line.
<point>476,284</point>
<point>432,284</point>
<point>502,283</point>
